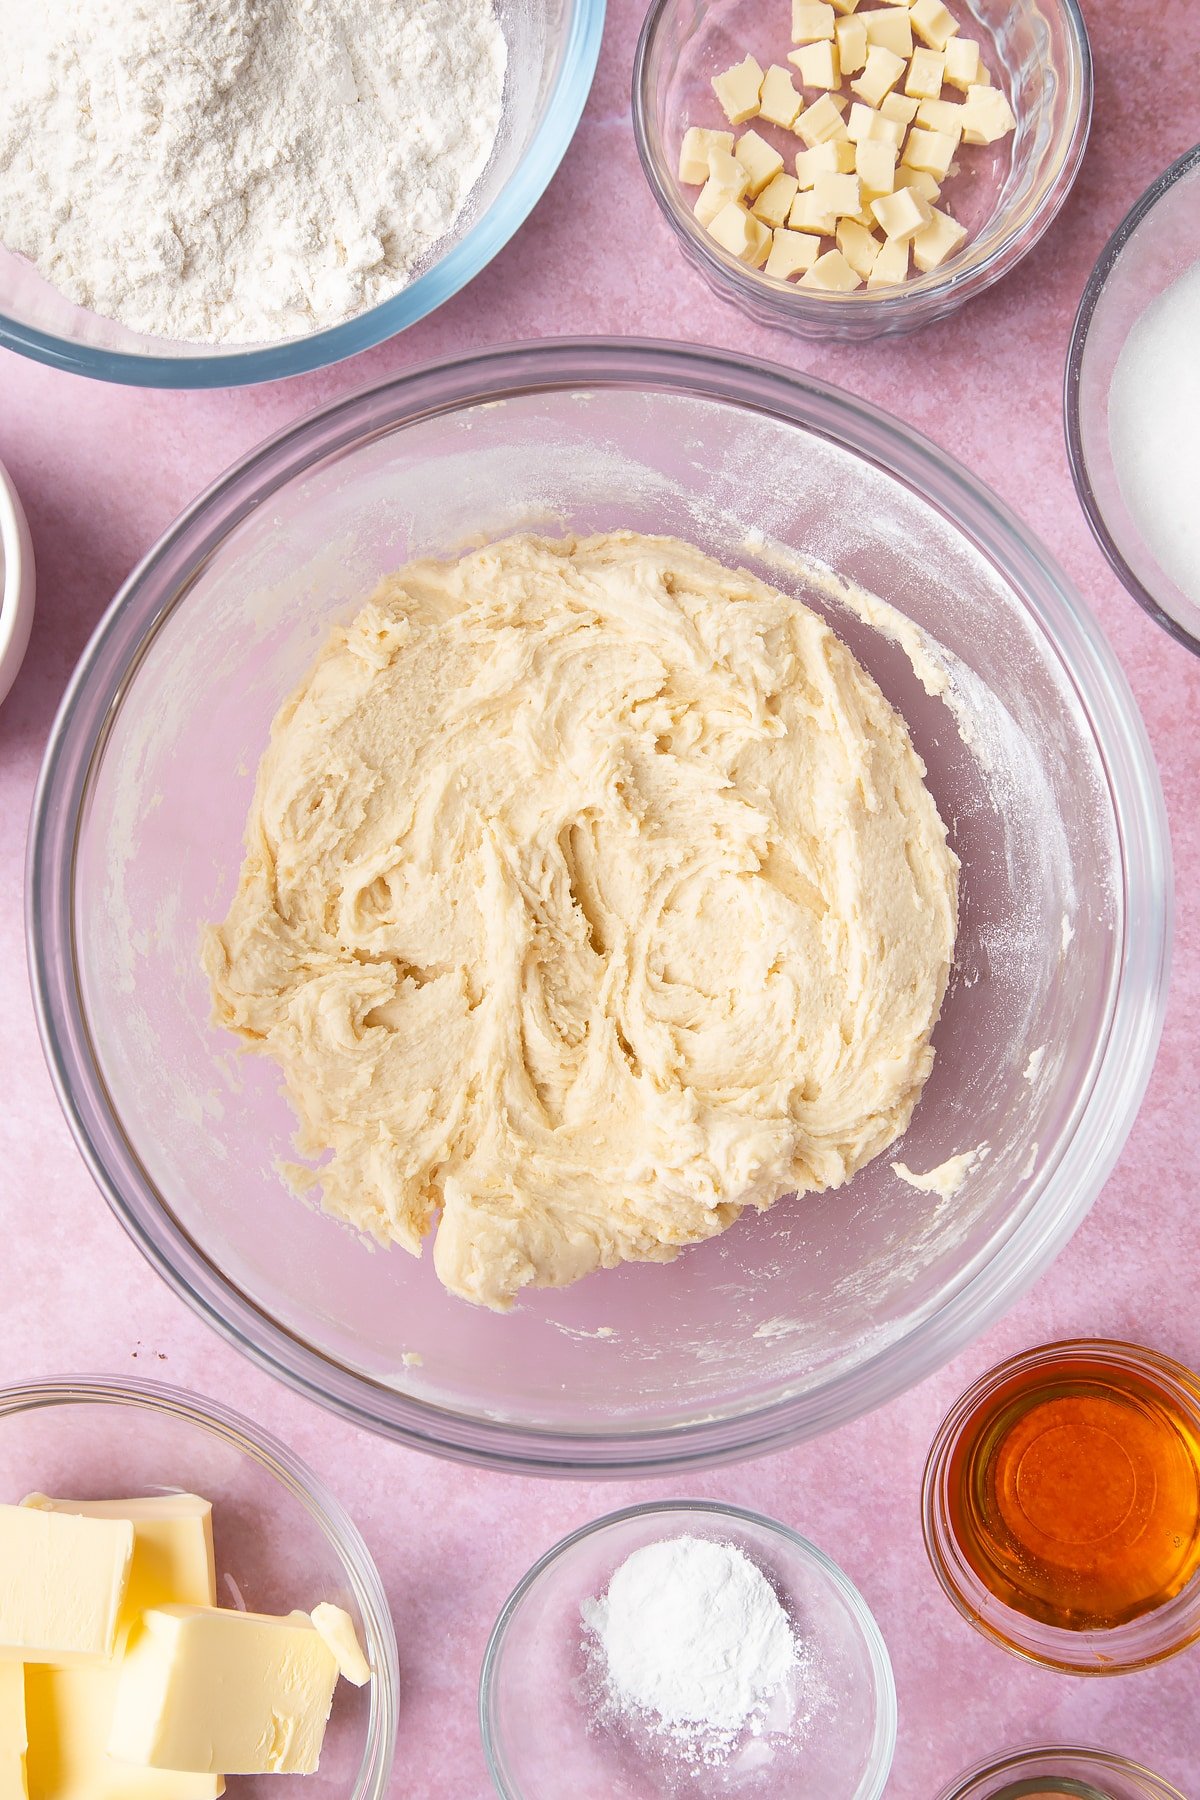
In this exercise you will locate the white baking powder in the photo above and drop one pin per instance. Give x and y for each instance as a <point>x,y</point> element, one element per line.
<point>232,171</point>
<point>1154,429</point>
<point>690,1639</point>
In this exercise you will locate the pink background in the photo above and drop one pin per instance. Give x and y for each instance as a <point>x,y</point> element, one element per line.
<point>104,470</point>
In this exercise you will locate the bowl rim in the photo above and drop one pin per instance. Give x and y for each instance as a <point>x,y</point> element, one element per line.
<point>884,1681</point>
<point>1110,1090</point>
<point>444,278</point>
<point>249,1439</point>
<point>1183,166</point>
<point>915,301</point>
<point>1049,1646</point>
<point>18,582</point>
<point>966,1787</point>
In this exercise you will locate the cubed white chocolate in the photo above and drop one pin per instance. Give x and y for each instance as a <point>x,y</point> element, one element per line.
<point>818,65</point>
<point>844,6</point>
<point>866,124</point>
<point>834,158</point>
<point>933,23</point>
<point>725,171</point>
<point>920,181</point>
<point>806,215</point>
<point>850,36</point>
<point>738,90</point>
<point>837,195</point>
<point>820,122</point>
<point>890,29</point>
<point>926,72</point>
<point>902,214</point>
<point>882,71</point>
<point>779,102</point>
<point>875,165</point>
<point>812,20</point>
<point>741,234</point>
<point>987,115</point>
<point>941,115</point>
<point>712,198</point>
<point>693,156</point>
<point>939,239</point>
<point>891,265</point>
<point>775,202</point>
<point>932,151</point>
<point>899,106</point>
<point>761,161</point>
<point>962,63</point>
<point>792,252</point>
<point>831,273</point>
<point>858,245</point>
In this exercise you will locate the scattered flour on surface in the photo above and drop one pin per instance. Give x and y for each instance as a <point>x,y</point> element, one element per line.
<point>240,171</point>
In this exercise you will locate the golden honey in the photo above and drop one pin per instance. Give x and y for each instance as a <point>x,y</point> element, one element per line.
<point>1073,1492</point>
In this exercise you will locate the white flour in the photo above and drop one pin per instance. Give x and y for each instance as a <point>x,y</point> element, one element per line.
<point>239,171</point>
<point>693,1642</point>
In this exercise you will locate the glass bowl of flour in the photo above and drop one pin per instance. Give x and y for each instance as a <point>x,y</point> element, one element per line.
<point>240,190</point>
<point>687,1649</point>
<point>795,1319</point>
<point>1133,400</point>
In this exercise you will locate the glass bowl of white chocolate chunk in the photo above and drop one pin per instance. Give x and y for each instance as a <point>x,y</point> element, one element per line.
<point>186,1611</point>
<point>846,170</point>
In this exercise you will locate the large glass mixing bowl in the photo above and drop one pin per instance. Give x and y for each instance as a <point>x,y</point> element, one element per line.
<point>795,1320</point>
<point>552,50</point>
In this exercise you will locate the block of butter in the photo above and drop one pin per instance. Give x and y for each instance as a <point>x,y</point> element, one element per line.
<point>71,1709</point>
<point>207,1690</point>
<point>62,1583</point>
<point>13,1735</point>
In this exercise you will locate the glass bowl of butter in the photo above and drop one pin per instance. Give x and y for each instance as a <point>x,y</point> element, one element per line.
<point>848,172</point>
<point>1065,1773</point>
<point>182,1600</point>
<point>796,1318</point>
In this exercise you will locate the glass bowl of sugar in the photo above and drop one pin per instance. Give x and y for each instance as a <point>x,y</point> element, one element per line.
<point>687,1648</point>
<point>1132,400</point>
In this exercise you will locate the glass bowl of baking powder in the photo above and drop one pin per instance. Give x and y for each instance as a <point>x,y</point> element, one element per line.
<point>640,1659</point>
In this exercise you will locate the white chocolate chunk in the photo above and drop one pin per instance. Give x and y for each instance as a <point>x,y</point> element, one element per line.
<point>930,150</point>
<point>832,273</point>
<point>941,115</point>
<point>837,195</point>
<point>791,253</point>
<point>920,181</point>
<point>987,115</point>
<point>693,155</point>
<point>844,6</point>
<point>850,36</point>
<point>875,165</point>
<point>818,65</point>
<point>738,90</point>
<point>812,20</point>
<point>834,158</point>
<point>899,106</point>
<point>741,234</point>
<point>891,265</point>
<point>779,102</point>
<point>806,215</point>
<point>889,29</point>
<point>901,214</point>
<point>761,161</point>
<point>939,239</point>
<point>933,23</point>
<point>926,72</point>
<point>866,124</point>
<point>883,70</point>
<point>821,122</point>
<point>963,63</point>
<point>858,245</point>
<point>775,202</point>
<point>727,173</point>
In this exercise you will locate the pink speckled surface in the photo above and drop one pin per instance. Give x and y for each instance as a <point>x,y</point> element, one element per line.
<point>103,471</point>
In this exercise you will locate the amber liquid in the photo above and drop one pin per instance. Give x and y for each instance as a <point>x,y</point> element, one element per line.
<point>1074,1493</point>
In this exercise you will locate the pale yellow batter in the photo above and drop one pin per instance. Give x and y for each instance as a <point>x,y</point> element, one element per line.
<point>592,892</point>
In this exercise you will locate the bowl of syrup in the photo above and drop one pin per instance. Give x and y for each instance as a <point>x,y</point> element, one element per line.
<point>1044,1773</point>
<point>1062,1506</point>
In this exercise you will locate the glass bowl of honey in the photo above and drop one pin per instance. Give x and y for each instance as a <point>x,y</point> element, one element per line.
<point>1043,1773</point>
<point>1062,1506</point>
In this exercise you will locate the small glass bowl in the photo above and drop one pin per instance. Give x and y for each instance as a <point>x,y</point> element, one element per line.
<point>17,583</point>
<point>1006,196</point>
<point>1156,241</point>
<point>282,1540</point>
<point>1136,1644</point>
<point>1094,1775</point>
<point>533,1700</point>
